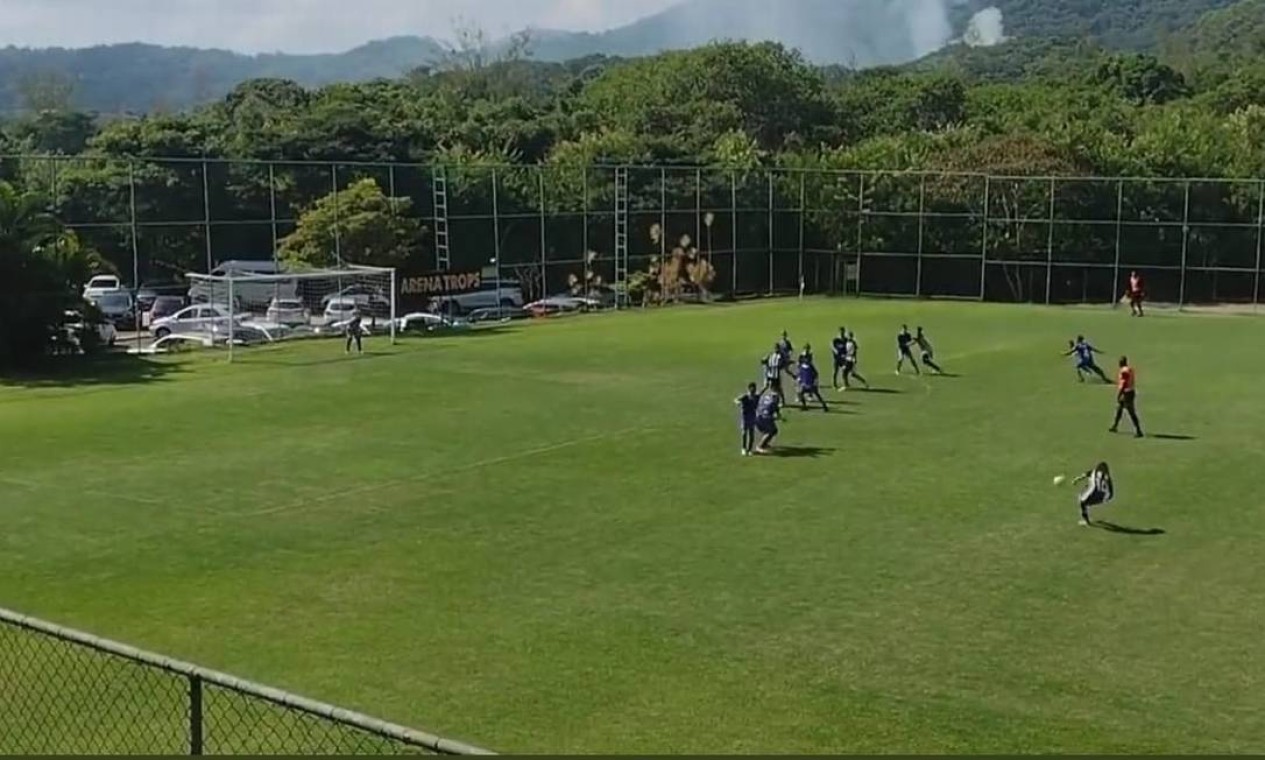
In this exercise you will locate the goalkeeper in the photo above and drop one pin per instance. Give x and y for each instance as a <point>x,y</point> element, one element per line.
<point>355,333</point>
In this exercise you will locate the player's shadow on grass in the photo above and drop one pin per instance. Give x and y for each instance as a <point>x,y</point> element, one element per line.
<point>1173,437</point>
<point>949,375</point>
<point>91,371</point>
<point>800,452</point>
<point>1127,531</point>
<point>880,391</point>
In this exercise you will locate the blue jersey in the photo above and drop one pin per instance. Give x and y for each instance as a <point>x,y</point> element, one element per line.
<point>839,348</point>
<point>747,405</point>
<point>768,407</point>
<point>1084,354</point>
<point>903,339</point>
<point>807,376</point>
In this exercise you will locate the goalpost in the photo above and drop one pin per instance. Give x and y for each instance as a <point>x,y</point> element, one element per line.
<point>243,308</point>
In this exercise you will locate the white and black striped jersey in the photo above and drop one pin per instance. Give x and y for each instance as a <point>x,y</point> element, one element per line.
<point>1098,481</point>
<point>774,365</point>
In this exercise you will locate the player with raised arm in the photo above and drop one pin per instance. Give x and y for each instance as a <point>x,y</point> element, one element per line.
<point>768,412</point>
<point>747,404</point>
<point>808,384</point>
<point>1126,398</point>
<point>904,350</point>
<point>1085,363</point>
<point>928,354</point>
<point>1099,490</point>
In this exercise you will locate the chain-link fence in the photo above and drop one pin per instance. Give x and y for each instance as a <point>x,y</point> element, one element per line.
<point>66,692</point>
<point>931,234</point>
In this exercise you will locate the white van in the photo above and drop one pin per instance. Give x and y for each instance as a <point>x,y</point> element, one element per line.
<point>255,296</point>
<point>491,293</point>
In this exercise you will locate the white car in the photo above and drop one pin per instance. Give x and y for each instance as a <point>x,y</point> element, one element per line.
<point>369,299</point>
<point>339,309</point>
<point>102,284</point>
<point>288,311</point>
<point>429,322</point>
<point>201,318</point>
<point>560,303</point>
<point>489,295</point>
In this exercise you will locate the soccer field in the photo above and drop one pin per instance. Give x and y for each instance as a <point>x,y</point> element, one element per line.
<point>542,538</point>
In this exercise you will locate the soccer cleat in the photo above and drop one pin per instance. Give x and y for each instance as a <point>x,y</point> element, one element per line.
<point>1084,523</point>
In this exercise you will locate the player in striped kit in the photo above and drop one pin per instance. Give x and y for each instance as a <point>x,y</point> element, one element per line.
<point>1099,490</point>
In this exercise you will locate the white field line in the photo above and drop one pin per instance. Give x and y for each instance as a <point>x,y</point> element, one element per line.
<point>302,505</point>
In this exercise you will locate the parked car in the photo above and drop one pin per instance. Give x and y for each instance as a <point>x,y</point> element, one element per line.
<point>116,306</point>
<point>369,299</point>
<point>77,326</point>
<point>102,283</point>
<point>196,319</point>
<point>288,311</point>
<point>339,309</point>
<point>148,293</point>
<point>165,306</point>
<point>429,322</point>
<point>559,303</point>
<point>256,294</point>
<point>498,314</point>
<point>494,292</point>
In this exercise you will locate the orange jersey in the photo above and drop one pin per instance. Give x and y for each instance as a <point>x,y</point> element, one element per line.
<point>1127,379</point>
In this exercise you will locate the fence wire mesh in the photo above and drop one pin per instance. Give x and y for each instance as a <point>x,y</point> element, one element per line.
<point>760,232</point>
<point>66,692</point>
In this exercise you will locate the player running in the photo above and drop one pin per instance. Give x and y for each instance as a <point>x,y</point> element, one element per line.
<point>747,404</point>
<point>1085,363</point>
<point>1136,294</point>
<point>928,354</point>
<point>851,352</point>
<point>768,412</point>
<point>808,385</point>
<point>774,365</point>
<point>839,353</point>
<point>904,350</point>
<point>1099,490</point>
<point>1126,398</point>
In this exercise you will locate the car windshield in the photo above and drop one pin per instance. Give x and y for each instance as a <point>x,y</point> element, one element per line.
<point>113,301</point>
<point>288,304</point>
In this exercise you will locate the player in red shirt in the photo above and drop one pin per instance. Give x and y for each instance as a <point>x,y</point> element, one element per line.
<point>1136,294</point>
<point>1126,396</point>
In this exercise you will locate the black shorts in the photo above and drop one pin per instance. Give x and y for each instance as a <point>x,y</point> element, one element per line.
<point>926,357</point>
<point>1093,499</point>
<point>774,382</point>
<point>1127,399</point>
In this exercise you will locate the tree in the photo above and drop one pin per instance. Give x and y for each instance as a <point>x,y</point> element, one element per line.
<point>362,223</point>
<point>1141,79</point>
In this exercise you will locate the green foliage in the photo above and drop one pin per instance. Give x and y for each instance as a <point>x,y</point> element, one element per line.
<point>362,222</point>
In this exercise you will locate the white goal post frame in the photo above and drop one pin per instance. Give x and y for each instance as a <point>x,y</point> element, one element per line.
<point>348,270</point>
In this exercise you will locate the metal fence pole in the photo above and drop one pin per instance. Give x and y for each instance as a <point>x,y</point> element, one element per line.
<point>584,213</point>
<point>272,208</point>
<point>1181,293</point>
<point>698,213</point>
<point>338,238</point>
<point>803,202</point>
<point>195,715</point>
<point>540,182</point>
<point>663,217</point>
<point>1115,282</point>
<point>922,223</point>
<point>733,226</point>
<point>232,316</point>
<point>772,237</point>
<point>860,232</point>
<point>206,213</point>
<point>394,312</point>
<point>496,236</point>
<point>1049,246</point>
<point>1260,228</point>
<point>983,254</point>
<point>136,248</point>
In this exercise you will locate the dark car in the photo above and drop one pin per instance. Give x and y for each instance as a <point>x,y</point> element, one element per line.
<point>149,292</point>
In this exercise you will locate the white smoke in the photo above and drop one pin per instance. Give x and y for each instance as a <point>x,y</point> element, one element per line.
<point>928,24</point>
<point>986,29</point>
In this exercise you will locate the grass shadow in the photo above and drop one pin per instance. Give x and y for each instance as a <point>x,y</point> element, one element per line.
<point>800,452</point>
<point>117,368</point>
<point>1173,437</point>
<point>1127,531</point>
<point>949,375</point>
<point>879,391</point>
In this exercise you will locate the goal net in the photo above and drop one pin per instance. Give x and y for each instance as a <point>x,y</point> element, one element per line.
<point>241,308</point>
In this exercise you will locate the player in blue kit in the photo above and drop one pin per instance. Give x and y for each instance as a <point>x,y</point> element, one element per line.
<point>808,385</point>
<point>904,350</point>
<point>768,412</point>
<point>748,403</point>
<point>1085,364</point>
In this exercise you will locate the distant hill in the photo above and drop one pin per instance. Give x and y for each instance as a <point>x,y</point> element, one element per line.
<point>854,33</point>
<point>1237,30</point>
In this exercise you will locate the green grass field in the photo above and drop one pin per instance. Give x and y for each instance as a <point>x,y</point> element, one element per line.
<point>543,538</point>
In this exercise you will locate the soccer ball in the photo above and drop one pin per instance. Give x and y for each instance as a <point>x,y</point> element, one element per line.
<point>1059,480</point>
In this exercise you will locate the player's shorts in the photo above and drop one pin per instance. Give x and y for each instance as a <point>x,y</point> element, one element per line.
<point>766,425</point>
<point>904,353</point>
<point>746,423</point>
<point>774,382</point>
<point>840,362</point>
<point>926,357</point>
<point>849,365</point>
<point>1136,296</point>
<point>1086,364</point>
<point>1128,398</point>
<point>809,390</point>
<point>1092,497</point>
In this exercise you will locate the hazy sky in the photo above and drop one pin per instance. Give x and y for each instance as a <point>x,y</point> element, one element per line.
<point>299,26</point>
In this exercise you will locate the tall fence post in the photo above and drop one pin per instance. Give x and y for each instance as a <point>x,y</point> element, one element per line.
<point>195,715</point>
<point>1181,292</point>
<point>698,214</point>
<point>496,235</point>
<point>803,202</point>
<point>272,208</point>
<point>733,227</point>
<point>338,238</point>
<point>663,217</point>
<point>135,235</point>
<point>1260,229</point>
<point>860,235</point>
<point>922,219</point>
<point>1049,246</point>
<point>206,214</point>
<point>544,239</point>
<point>772,237</point>
<point>1115,281</point>
<point>983,254</point>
